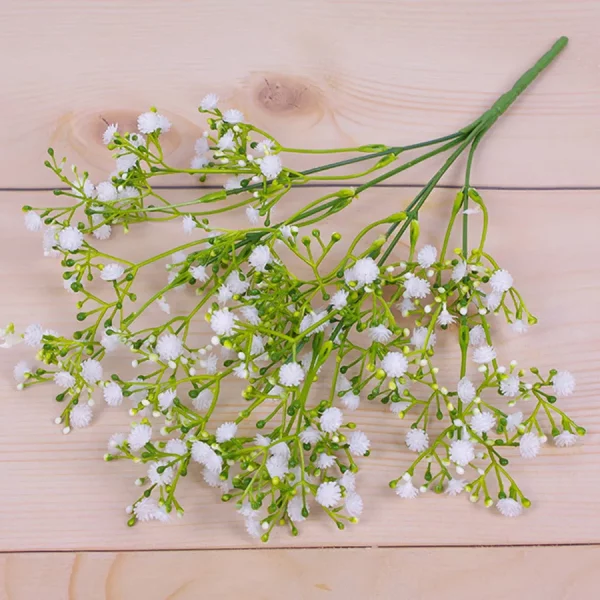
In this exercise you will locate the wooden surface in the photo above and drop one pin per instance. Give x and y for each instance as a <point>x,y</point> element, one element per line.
<point>331,574</point>
<point>315,74</point>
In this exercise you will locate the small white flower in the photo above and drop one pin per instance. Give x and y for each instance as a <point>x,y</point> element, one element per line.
<point>209,102</point>
<point>113,394</point>
<point>125,162</point>
<point>420,334</point>
<point>445,318</point>
<point>205,455</point>
<point>466,390</point>
<point>484,354</point>
<point>394,364</point>
<point>455,487</point>
<point>501,281</point>
<point>233,116</point>
<point>203,400</point>
<point>33,335</point>
<point>112,272</point>
<point>270,166</point>
<point>530,445</point>
<point>471,211</point>
<point>169,347</point>
<point>406,490</point>
<point>483,422</point>
<point>563,384</point>
<point>234,183</point>
<point>199,272</point>
<point>398,407</point>
<point>139,436</point>
<point>70,239</point>
<point>91,371</point>
<point>265,146</point>
<point>358,443</point>
<point>427,256</point>
<point>291,374</point>
<point>565,439</point>
<point>163,305</point>
<point>201,145</point>
<point>236,284</point>
<point>222,322</point>
<point>380,333</point>
<point>198,162</point>
<point>509,507</point>
<point>310,435</point>
<point>21,369</point>
<point>107,192</point>
<point>513,421</point>
<point>294,509</point>
<point>493,300</point>
<point>519,326</point>
<point>33,221</point>
<point>260,257</point>
<point>81,415</point>
<point>417,440</point>
<point>416,287</point>
<point>339,299</point>
<point>166,398</point>
<point>116,440</point>
<point>324,461</point>
<point>287,232</point>
<point>163,477</point>
<point>188,224</point>
<point>224,295</point>
<point>150,122</point>
<point>147,509</point>
<point>277,466</point>
<point>510,386</point>
<point>350,400</point>
<point>226,141</point>
<point>178,447</point>
<point>328,494</point>
<point>250,313</point>
<point>64,379</point>
<point>253,215</point>
<point>353,504</point>
<point>104,231</point>
<point>331,419</point>
<point>109,133</point>
<point>210,363</point>
<point>365,271</point>
<point>110,342</point>
<point>348,481</point>
<point>226,432</point>
<point>459,271</point>
<point>477,336</point>
<point>462,452</point>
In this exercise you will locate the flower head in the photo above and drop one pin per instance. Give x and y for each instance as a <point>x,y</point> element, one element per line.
<point>501,281</point>
<point>380,333</point>
<point>33,335</point>
<point>33,221</point>
<point>139,436</point>
<point>70,239</point>
<point>113,394</point>
<point>353,505</point>
<point>394,364</point>
<point>466,390</point>
<point>91,371</point>
<point>565,439</point>
<point>233,116</point>
<point>331,419</point>
<point>510,386</point>
<point>149,122</point>
<point>270,166</point>
<point>477,336</point>
<point>459,271</point>
<point>358,443</point>
<point>530,445</point>
<point>169,346</point>
<point>328,494</point>
<point>509,507</point>
<point>291,374</point>
<point>339,299</point>
<point>416,287</point>
<point>455,487</point>
<point>484,354</point>
<point>462,452</point>
<point>147,509</point>
<point>350,400</point>
<point>205,455</point>
<point>260,257</point>
<point>109,133</point>
<point>364,272</point>
<point>420,335</point>
<point>417,440</point>
<point>405,489</point>
<point>427,256</point>
<point>483,422</point>
<point>112,272</point>
<point>226,432</point>
<point>563,384</point>
<point>310,435</point>
<point>209,102</point>
<point>81,415</point>
<point>513,421</point>
<point>277,465</point>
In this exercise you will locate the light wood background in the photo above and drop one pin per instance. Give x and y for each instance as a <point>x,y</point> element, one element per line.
<point>315,73</point>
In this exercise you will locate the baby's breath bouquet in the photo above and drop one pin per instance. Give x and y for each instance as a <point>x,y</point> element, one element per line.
<point>304,326</point>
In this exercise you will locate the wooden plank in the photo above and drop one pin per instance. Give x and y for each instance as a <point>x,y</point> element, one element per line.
<point>58,494</point>
<point>316,74</point>
<point>554,573</point>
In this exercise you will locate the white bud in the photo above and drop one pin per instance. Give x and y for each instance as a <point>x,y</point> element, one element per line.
<point>423,489</point>
<point>66,430</point>
<point>139,482</point>
<point>501,369</point>
<point>129,509</point>
<point>156,413</point>
<point>423,362</point>
<point>265,526</point>
<point>430,273</point>
<point>241,355</point>
<point>214,340</point>
<point>134,363</point>
<point>192,371</point>
<point>482,311</point>
<point>482,368</point>
<point>390,269</point>
<point>58,420</point>
<point>460,470</point>
<point>513,363</point>
<point>406,477</point>
<point>463,310</point>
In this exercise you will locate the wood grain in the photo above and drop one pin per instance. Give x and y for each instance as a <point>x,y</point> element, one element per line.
<point>316,74</point>
<point>58,494</point>
<point>377,574</point>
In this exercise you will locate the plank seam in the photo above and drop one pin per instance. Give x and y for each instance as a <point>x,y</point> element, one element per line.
<point>278,548</point>
<point>500,188</point>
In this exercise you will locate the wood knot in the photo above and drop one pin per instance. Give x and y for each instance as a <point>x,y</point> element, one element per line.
<point>283,95</point>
